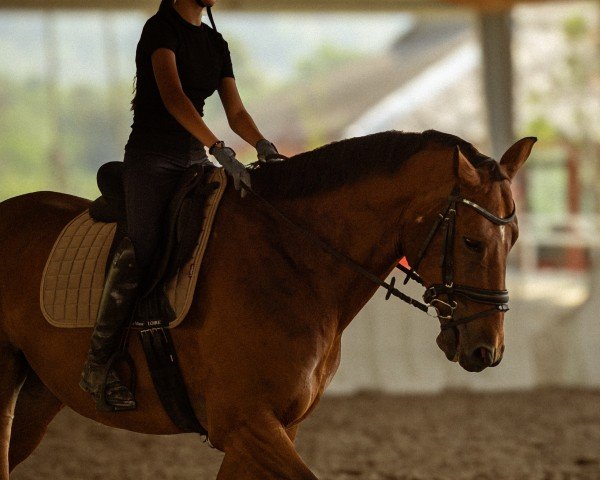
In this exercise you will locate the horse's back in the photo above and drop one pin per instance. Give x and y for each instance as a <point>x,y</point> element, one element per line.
<point>29,226</point>
<point>30,206</point>
<point>38,213</point>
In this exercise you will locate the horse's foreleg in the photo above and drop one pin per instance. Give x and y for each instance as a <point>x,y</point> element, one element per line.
<point>262,452</point>
<point>36,407</point>
<point>12,374</point>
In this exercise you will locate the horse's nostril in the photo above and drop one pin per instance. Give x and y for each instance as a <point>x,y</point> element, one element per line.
<point>485,355</point>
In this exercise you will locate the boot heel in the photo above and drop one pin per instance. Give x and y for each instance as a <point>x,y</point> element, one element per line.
<point>103,401</point>
<point>103,406</point>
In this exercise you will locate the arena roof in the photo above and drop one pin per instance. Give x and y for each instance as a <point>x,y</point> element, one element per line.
<point>280,5</point>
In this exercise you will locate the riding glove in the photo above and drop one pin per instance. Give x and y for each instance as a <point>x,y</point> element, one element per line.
<point>267,152</point>
<point>226,157</point>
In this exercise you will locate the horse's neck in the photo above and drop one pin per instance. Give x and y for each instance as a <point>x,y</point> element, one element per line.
<point>364,221</point>
<point>357,221</point>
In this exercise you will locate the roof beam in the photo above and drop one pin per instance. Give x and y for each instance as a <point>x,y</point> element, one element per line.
<point>272,5</point>
<point>239,5</point>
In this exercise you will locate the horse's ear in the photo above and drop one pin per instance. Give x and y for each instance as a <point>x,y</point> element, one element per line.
<point>467,173</point>
<point>515,156</point>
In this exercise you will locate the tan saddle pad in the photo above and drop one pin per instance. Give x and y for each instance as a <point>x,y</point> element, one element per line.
<point>73,278</point>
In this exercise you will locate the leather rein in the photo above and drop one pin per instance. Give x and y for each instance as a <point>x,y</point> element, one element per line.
<point>445,221</point>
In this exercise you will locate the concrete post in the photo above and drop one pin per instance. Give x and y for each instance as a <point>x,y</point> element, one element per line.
<point>495,32</point>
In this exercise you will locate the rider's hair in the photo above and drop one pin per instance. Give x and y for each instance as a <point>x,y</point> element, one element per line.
<point>163,4</point>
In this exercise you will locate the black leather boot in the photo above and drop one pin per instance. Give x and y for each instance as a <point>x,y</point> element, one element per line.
<point>116,306</point>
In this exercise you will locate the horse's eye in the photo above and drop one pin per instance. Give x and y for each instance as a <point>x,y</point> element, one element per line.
<point>473,245</point>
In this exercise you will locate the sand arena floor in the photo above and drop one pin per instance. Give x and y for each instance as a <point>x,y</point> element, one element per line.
<point>538,435</point>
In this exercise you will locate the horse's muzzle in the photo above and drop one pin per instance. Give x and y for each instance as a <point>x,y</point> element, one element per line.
<point>482,357</point>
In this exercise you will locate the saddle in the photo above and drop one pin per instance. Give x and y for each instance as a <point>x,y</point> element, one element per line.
<point>75,270</point>
<point>184,216</point>
<point>184,220</point>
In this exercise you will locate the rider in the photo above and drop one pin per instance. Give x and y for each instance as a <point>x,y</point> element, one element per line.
<point>180,63</point>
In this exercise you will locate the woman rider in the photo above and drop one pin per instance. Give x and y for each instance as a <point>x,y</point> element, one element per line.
<point>180,62</point>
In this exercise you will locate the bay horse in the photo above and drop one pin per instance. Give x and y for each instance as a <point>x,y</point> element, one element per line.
<point>262,339</point>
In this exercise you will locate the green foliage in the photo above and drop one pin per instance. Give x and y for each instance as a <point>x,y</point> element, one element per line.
<point>571,82</point>
<point>544,129</point>
<point>80,124</point>
<point>324,59</point>
<point>575,28</point>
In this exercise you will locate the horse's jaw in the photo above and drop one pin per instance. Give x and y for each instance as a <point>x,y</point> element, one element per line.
<point>449,343</point>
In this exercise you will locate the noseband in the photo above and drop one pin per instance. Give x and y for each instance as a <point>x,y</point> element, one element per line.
<point>446,222</point>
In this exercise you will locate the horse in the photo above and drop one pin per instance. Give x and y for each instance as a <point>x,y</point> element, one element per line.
<point>262,339</point>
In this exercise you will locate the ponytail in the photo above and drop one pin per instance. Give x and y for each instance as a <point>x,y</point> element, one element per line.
<point>164,4</point>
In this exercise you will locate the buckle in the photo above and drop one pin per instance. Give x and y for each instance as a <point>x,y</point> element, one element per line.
<point>438,304</point>
<point>430,294</point>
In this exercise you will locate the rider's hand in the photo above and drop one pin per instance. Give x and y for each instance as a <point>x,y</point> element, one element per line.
<point>266,152</point>
<point>226,157</point>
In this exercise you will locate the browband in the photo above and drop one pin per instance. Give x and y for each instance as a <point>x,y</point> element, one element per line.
<point>489,215</point>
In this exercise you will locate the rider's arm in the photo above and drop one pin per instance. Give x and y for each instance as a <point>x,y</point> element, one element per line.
<point>176,101</point>
<point>239,119</point>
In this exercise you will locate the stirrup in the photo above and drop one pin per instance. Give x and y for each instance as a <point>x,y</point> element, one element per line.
<point>102,403</point>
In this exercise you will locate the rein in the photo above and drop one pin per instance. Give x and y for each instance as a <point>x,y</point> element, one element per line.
<point>498,298</point>
<point>340,256</point>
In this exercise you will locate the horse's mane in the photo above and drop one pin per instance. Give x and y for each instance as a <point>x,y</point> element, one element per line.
<point>343,162</point>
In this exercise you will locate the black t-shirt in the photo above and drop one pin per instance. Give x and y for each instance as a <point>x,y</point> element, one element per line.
<point>203,59</point>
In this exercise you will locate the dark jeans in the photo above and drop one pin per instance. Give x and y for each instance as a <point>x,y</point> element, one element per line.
<point>150,180</point>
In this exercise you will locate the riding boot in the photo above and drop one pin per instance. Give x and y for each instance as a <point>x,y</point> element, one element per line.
<point>116,306</point>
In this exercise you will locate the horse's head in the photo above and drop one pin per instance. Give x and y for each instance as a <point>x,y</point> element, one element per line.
<point>464,234</point>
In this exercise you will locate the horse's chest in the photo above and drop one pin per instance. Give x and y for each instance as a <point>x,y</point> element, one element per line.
<point>313,387</point>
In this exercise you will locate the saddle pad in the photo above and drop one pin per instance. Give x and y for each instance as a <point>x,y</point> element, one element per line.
<point>73,278</point>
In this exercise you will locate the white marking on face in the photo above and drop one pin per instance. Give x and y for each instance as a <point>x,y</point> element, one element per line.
<point>420,219</point>
<point>503,233</point>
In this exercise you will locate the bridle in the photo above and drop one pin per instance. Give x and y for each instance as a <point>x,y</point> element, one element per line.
<point>445,221</point>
